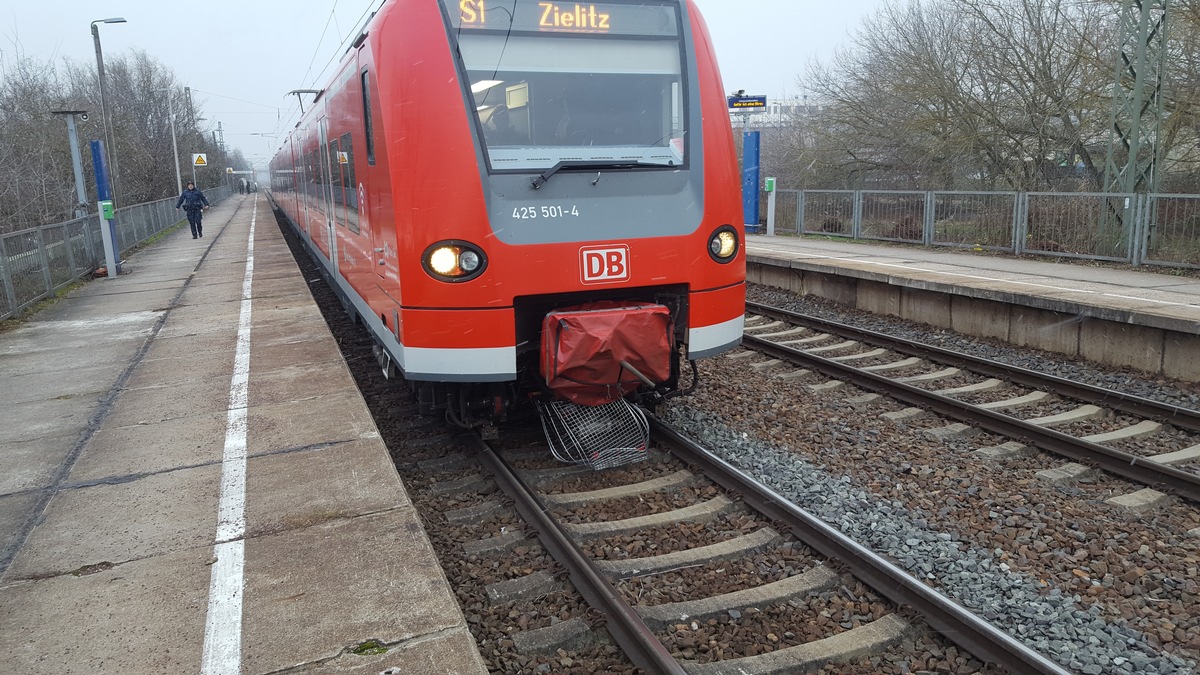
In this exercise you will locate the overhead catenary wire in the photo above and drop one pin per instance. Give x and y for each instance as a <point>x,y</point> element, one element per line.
<point>292,114</point>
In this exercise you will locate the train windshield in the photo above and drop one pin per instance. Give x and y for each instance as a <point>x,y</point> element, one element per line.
<point>575,82</point>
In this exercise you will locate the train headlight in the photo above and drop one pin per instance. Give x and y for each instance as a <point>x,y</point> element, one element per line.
<point>453,261</point>
<point>723,244</point>
<point>468,261</point>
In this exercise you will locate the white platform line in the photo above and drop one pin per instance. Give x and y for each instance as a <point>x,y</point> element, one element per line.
<point>223,627</point>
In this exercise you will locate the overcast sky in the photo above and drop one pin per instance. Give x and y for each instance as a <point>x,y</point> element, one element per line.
<point>241,57</point>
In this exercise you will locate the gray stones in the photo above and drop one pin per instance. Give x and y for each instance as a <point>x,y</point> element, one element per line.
<point>1047,620</point>
<point>864,400</point>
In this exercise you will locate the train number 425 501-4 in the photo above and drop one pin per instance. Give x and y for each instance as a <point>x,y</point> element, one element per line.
<point>535,212</point>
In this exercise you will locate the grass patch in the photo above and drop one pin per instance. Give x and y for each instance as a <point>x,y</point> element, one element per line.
<point>370,648</point>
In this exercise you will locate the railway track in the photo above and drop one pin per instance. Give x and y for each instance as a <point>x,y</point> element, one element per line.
<point>491,559</point>
<point>986,395</point>
<point>643,631</point>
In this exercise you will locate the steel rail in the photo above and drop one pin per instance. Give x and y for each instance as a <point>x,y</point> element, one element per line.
<point>955,622</point>
<point>1184,418</point>
<point>1139,469</point>
<point>631,634</point>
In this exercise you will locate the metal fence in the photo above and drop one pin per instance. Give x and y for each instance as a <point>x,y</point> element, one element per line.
<point>1154,229</point>
<point>38,262</point>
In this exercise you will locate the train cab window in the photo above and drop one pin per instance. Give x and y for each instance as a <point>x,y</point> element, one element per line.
<point>603,82</point>
<point>368,127</point>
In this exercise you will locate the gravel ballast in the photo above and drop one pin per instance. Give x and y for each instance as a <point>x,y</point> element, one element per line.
<point>1045,618</point>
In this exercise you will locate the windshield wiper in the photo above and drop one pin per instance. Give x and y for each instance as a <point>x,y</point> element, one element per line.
<point>591,164</point>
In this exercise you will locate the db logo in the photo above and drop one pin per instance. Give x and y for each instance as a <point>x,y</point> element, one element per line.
<point>604,264</point>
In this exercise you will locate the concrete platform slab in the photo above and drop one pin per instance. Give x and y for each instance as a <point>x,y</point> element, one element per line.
<point>150,516</point>
<point>59,418</point>
<point>335,554</point>
<point>293,424</point>
<point>1075,309</point>
<point>123,452</point>
<point>183,345</point>
<point>1109,342</point>
<point>161,402</point>
<point>390,589</point>
<point>282,382</point>
<point>174,368</point>
<point>14,510</point>
<point>448,652</point>
<point>89,384</point>
<point>308,487</point>
<point>141,618</point>
<point>31,464</point>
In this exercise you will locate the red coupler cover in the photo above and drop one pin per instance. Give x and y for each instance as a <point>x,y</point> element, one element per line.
<point>582,349</point>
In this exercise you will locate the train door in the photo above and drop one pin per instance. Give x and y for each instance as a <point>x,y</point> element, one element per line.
<point>326,187</point>
<point>379,239</point>
<point>303,189</point>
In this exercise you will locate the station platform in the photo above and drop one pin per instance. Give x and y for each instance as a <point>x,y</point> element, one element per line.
<point>1146,319</point>
<point>191,482</point>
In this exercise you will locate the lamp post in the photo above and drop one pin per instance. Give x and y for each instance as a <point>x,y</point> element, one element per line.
<point>174,143</point>
<point>105,113</point>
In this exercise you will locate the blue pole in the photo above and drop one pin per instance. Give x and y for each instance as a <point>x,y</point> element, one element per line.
<point>106,211</point>
<point>750,154</point>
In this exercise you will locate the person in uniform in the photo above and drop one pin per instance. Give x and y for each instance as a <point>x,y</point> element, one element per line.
<point>193,202</point>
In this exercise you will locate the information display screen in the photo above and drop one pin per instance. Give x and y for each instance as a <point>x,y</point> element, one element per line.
<point>599,18</point>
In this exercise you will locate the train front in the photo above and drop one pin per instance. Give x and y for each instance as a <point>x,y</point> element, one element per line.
<point>611,215</point>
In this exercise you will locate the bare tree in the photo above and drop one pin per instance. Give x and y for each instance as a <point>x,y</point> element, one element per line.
<point>36,177</point>
<point>1011,94</point>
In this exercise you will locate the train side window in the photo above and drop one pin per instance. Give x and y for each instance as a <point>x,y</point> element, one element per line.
<point>369,127</point>
<point>348,182</point>
<point>337,182</point>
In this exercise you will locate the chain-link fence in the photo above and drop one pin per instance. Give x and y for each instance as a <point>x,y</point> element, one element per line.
<point>36,263</point>
<point>1157,229</point>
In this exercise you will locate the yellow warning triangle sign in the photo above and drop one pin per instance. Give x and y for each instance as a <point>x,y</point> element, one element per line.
<point>199,160</point>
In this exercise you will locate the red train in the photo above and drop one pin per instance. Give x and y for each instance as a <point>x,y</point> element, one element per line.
<point>518,196</point>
